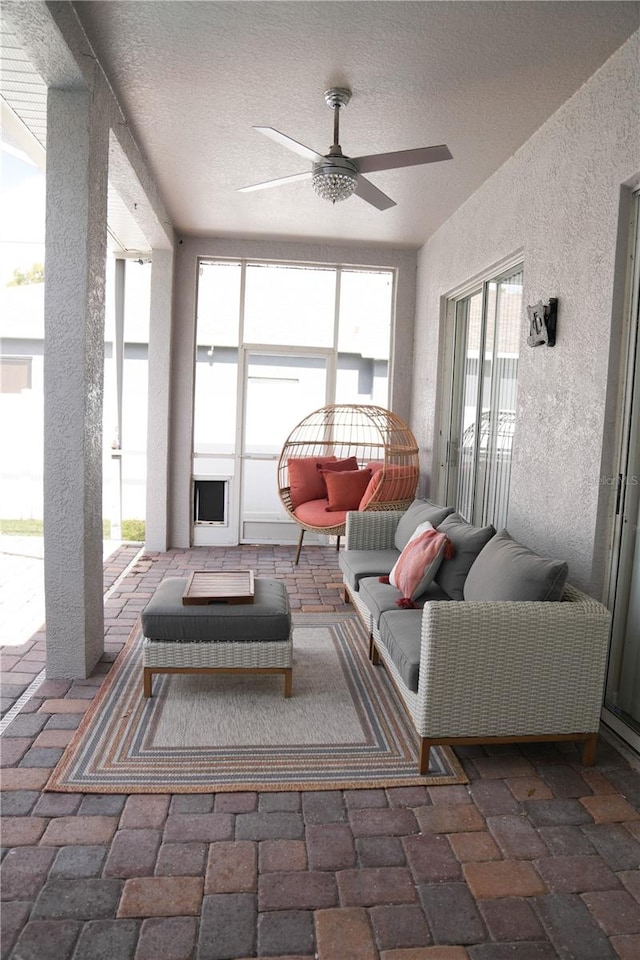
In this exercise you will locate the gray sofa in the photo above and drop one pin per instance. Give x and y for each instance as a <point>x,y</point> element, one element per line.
<point>498,648</point>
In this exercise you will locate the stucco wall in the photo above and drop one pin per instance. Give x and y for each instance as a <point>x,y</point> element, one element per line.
<point>558,198</point>
<point>188,251</point>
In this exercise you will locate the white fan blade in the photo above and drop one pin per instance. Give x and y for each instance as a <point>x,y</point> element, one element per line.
<point>290,144</point>
<point>403,158</point>
<point>366,191</point>
<point>276,183</point>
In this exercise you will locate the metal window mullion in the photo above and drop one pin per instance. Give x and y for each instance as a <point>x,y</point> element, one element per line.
<point>240,403</point>
<point>465,472</point>
<point>491,472</point>
<point>118,346</point>
<point>118,357</point>
<point>449,477</point>
<point>392,335</point>
<point>332,363</point>
<point>478,423</point>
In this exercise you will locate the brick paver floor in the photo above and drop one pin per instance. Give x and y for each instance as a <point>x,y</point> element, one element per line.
<point>536,858</point>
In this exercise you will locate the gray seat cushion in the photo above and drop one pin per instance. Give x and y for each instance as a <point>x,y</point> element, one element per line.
<point>467,542</point>
<point>401,634</point>
<point>419,511</point>
<point>380,597</point>
<point>507,570</point>
<point>165,617</point>
<point>356,564</point>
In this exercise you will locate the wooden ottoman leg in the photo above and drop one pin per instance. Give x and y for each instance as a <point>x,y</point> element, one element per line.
<point>147,674</point>
<point>288,680</point>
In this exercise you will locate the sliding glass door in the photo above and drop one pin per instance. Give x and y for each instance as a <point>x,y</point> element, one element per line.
<point>488,325</point>
<point>622,695</point>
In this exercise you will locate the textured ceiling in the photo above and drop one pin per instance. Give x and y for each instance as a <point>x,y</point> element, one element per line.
<point>193,78</point>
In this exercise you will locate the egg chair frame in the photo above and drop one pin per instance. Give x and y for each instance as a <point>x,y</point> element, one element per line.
<point>377,439</point>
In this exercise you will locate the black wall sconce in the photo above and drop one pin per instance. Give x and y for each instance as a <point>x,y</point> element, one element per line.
<point>542,323</point>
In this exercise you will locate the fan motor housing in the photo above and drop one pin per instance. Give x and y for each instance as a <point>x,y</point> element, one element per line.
<point>336,165</point>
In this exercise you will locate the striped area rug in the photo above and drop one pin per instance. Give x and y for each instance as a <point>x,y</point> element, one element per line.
<point>343,728</point>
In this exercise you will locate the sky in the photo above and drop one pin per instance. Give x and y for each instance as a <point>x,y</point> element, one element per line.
<point>22,211</point>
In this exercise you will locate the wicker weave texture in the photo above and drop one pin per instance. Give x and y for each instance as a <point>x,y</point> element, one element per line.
<point>498,669</point>
<point>366,432</point>
<point>372,531</point>
<point>362,610</point>
<point>507,669</point>
<point>272,653</point>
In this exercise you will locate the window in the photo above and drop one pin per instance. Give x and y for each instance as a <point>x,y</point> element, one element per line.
<point>487,331</point>
<point>275,341</point>
<point>344,314</point>
<point>15,374</point>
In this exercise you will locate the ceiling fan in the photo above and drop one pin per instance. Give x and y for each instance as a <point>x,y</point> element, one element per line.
<point>336,177</point>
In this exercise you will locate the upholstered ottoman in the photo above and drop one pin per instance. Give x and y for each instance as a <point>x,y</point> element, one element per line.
<point>217,637</point>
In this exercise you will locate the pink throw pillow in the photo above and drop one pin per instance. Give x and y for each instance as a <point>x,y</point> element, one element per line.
<point>419,562</point>
<point>345,488</point>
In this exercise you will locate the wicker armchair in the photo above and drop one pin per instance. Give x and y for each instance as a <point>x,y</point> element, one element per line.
<point>495,671</point>
<point>374,438</point>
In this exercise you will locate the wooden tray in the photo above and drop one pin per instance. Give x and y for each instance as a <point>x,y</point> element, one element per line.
<point>228,586</point>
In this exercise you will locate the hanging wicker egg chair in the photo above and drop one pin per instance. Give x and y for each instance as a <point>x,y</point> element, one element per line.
<point>346,457</point>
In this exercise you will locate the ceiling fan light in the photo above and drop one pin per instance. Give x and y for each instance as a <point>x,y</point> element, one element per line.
<point>334,185</point>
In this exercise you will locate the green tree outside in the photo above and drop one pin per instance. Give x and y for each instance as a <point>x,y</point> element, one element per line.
<point>34,274</point>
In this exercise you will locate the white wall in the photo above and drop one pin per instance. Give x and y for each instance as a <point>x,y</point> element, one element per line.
<point>558,198</point>
<point>188,250</point>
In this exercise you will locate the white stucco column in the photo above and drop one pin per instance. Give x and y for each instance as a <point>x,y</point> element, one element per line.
<point>76,208</point>
<point>157,531</point>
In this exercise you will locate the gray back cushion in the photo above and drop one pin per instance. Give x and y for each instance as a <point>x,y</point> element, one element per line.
<point>467,542</point>
<point>419,511</point>
<point>507,570</point>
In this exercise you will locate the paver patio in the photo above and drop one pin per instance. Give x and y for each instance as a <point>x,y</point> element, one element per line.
<point>536,858</point>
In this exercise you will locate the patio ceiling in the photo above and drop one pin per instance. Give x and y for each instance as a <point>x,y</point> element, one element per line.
<point>193,78</point>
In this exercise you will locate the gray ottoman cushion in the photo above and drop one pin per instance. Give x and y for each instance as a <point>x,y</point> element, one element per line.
<point>401,633</point>
<point>165,617</point>
<point>380,597</point>
<point>356,564</point>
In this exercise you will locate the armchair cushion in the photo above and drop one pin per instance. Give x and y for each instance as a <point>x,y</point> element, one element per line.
<point>401,635</point>
<point>420,511</point>
<point>507,570</point>
<point>467,542</point>
<point>315,514</point>
<point>356,564</point>
<point>381,598</point>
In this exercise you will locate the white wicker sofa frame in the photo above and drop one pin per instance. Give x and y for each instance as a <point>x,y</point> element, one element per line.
<point>495,672</point>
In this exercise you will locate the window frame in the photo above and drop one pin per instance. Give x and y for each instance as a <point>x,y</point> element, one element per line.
<point>445,456</point>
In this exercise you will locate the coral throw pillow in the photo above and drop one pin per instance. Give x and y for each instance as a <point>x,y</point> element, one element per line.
<point>393,483</point>
<point>418,563</point>
<point>339,466</point>
<point>305,480</point>
<point>345,488</point>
